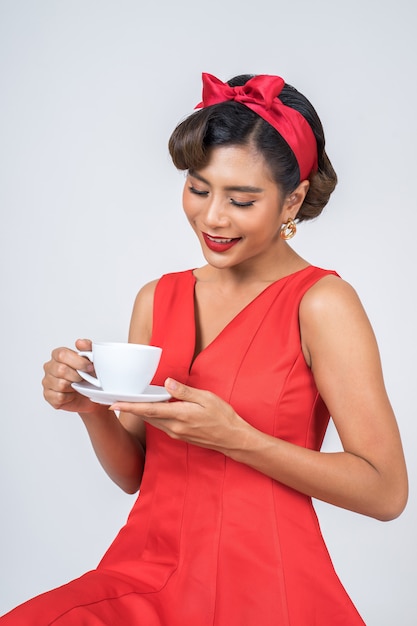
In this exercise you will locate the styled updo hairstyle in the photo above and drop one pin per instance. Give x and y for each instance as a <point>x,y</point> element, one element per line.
<point>232,123</point>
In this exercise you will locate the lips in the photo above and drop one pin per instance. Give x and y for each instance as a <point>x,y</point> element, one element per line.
<point>219,244</point>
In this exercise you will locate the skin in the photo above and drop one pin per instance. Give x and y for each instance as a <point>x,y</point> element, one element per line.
<point>369,475</point>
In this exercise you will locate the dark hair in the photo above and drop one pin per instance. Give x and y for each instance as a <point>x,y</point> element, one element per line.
<point>232,123</point>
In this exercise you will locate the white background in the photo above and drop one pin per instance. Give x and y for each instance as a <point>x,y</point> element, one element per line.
<point>91,209</point>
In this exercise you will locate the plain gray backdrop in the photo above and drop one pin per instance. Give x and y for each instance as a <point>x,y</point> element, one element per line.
<point>91,210</point>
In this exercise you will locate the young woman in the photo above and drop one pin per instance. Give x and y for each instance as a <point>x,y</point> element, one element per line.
<point>259,349</point>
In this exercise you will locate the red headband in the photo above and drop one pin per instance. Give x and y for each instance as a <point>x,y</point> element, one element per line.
<point>260,95</point>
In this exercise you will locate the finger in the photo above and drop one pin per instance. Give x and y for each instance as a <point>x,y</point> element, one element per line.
<point>57,391</point>
<point>157,410</point>
<point>57,400</point>
<point>167,410</point>
<point>83,345</point>
<point>59,384</point>
<point>63,358</point>
<point>179,391</point>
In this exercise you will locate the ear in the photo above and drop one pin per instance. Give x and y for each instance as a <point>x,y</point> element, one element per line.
<point>294,200</point>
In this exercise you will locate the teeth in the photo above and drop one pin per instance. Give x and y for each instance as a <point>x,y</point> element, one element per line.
<point>217,240</point>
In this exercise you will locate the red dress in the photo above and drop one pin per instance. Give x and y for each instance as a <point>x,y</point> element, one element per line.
<point>209,541</point>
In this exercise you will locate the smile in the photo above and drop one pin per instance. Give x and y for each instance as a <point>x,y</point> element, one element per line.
<point>219,244</point>
<point>218,239</point>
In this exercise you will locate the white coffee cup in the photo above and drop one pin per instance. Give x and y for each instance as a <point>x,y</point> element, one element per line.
<point>122,368</point>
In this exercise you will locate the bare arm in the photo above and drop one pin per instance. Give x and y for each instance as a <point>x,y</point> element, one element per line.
<point>119,443</point>
<point>369,476</point>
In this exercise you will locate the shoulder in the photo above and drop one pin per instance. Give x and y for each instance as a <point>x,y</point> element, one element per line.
<point>331,312</point>
<point>328,293</point>
<point>141,322</point>
<point>145,296</point>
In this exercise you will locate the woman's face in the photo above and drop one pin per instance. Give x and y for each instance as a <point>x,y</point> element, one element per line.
<point>235,207</point>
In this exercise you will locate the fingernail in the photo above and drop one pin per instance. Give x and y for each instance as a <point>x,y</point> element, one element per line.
<point>171,384</point>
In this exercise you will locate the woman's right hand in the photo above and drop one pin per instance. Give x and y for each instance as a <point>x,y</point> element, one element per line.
<point>61,372</point>
<point>119,448</point>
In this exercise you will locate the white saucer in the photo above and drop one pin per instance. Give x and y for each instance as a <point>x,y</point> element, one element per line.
<point>152,393</point>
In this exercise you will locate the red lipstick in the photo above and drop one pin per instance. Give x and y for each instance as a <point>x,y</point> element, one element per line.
<point>219,244</point>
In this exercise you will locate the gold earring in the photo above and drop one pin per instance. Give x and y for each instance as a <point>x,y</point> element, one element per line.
<point>288,229</point>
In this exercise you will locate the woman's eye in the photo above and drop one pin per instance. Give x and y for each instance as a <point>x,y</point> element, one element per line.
<point>197,192</point>
<point>242,204</point>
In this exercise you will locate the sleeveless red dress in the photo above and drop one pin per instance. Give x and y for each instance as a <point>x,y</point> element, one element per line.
<point>209,541</point>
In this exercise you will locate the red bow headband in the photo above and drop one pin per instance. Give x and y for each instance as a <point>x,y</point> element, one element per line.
<point>260,95</point>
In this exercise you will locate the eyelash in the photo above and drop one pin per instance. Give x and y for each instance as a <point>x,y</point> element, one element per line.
<point>233,202</point>
<point>197,192</point>
<point>242,204</point>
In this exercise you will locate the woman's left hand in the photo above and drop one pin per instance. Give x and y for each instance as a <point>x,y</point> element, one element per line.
<point>200,417</point>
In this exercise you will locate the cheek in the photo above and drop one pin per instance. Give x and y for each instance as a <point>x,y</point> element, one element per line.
<point>184,198</point>
<point>190,214</point>
<point>189,206</point>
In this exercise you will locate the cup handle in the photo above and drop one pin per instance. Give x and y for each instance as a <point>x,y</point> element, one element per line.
<point>87,377</point>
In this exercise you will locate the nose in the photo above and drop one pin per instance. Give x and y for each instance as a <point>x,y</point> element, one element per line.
<point>216,214</point>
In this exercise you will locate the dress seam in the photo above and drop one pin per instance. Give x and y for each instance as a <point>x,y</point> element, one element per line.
<point>215,586</point>
<point>110,599</point>
<point>283,585</point>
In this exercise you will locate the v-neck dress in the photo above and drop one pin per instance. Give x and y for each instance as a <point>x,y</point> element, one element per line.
<point>210,541</point>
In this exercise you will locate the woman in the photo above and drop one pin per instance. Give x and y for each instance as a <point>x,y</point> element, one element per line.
<point>259,348</point>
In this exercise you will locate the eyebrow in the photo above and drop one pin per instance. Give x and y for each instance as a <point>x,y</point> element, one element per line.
<point>242,188</point>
